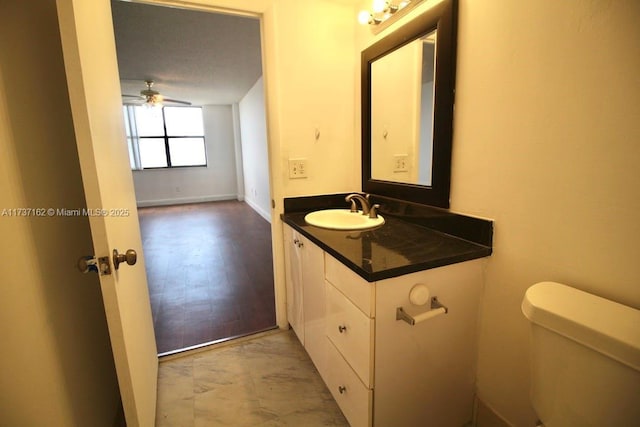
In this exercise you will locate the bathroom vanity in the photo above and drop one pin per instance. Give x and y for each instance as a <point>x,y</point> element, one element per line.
<point>344,289</point>
<point>389,314</point>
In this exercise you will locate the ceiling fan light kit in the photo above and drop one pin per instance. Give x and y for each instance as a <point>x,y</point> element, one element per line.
<point>152,98</point>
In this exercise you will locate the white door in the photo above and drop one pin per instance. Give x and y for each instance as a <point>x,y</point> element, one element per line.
<point>94,90</point>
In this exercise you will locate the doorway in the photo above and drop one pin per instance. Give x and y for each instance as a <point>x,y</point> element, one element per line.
<point>205,229</point>
<point>210,272</point>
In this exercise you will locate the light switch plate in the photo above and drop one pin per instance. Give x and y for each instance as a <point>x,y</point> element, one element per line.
<point>400,163</point>
<point>297,168</point>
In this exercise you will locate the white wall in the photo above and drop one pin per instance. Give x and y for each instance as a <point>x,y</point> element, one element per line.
<point>545,143</point>
<point>255,150</point>
<point>217,181</point>
<point>57,367</point>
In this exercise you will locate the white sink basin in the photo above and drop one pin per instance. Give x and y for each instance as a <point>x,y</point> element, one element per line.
<point>342,219</point>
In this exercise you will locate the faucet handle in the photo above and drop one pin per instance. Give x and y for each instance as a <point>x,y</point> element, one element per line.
<point>373,212</point>
<point>354,207</point>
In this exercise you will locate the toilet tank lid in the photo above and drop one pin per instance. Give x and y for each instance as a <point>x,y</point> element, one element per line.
<point>606,326</point>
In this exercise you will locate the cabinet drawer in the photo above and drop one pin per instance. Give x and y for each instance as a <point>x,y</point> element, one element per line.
<point>351,332</point>
<point>358,290</point>
<point>355,400</point>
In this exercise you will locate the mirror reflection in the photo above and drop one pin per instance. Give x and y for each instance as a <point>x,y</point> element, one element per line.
<point>402,89</point>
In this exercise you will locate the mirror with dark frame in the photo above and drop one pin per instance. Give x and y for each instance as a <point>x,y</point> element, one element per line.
<point>408,84</point>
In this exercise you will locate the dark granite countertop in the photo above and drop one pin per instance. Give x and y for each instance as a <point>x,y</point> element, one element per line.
<point>398,247</point>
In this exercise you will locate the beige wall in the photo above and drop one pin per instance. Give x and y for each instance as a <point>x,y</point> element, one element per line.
<point>314,85</point>
<point>546,143</point>
<point>56,365</point>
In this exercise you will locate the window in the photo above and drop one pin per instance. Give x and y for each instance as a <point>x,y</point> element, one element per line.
<point>165,137</point>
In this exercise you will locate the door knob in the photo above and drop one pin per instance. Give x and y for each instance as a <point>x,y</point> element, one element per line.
<point>130,257</point>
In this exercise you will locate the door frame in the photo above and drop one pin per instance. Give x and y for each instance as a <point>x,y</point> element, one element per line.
<point>263,11</point>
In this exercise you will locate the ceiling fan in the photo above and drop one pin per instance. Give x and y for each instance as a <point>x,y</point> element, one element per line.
<point>151,97</point>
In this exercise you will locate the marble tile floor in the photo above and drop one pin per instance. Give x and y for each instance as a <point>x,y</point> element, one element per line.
<point>267,380</point>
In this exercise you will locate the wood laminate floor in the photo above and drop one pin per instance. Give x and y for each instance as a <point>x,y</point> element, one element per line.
<point>210,272</point>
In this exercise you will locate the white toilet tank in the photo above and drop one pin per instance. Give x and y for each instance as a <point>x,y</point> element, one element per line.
<point>585,360</point>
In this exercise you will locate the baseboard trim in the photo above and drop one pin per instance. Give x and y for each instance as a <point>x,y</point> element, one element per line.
<point>185,200</point>
<point>259,210</point>
<point>485,416</point>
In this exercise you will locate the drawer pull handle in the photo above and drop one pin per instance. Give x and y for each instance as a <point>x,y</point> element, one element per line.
<point>342,389</point>
<point>436,309</point>
<point>342,328</point>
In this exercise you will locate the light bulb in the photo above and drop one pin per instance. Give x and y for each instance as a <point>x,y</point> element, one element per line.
<point>364,17</point>
<point>379,6</point>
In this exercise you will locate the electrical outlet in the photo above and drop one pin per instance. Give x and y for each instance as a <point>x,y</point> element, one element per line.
<point>297,168</point>
<point>400,163</point>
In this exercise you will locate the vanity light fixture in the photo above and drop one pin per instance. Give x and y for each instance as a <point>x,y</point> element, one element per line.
<point>365,17</point>
<point>381,10</point>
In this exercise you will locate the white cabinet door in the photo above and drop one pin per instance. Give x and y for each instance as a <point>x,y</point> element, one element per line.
<point>425,374</point>
<point>293,280</point>
<point>304,262</point>
<point>314,303</point>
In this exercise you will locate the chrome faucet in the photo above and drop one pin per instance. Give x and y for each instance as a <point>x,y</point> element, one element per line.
<point>367,209</point>
<point>364,202</point>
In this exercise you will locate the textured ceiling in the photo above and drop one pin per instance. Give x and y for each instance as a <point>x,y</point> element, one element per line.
<point>204,58</point>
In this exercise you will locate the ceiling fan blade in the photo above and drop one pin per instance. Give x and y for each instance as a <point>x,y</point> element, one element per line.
<point>151,97</point>
<point>175,101</point>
